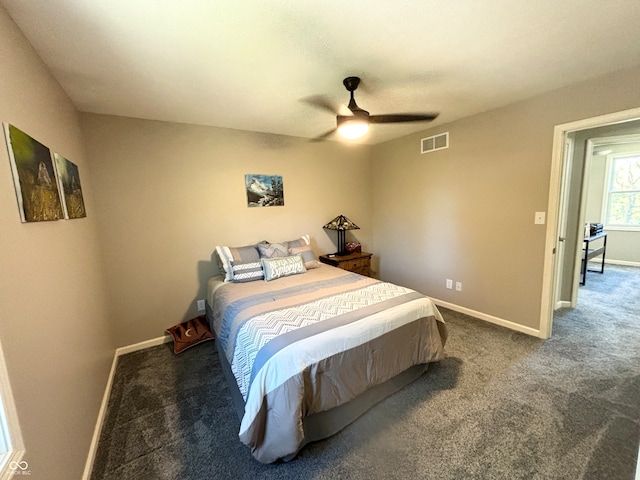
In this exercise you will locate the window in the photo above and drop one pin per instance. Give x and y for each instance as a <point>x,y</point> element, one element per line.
<point>11,446</point>
<point>622,192</point>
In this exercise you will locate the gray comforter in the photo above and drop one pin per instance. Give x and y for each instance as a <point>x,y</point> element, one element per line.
<point>308,343</point>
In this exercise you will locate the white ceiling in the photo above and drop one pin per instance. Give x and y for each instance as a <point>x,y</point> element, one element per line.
<point>250,64</point>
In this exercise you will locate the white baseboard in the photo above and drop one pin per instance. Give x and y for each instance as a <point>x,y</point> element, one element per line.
<point>562,304</point>
<point>88,467</point>
<point>142,345</point>
<point>622,262</point>
<point>489,318</point>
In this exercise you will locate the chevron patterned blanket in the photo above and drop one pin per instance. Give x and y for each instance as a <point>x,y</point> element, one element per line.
<point>277,335</point>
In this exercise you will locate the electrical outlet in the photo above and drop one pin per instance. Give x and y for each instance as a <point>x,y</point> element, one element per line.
<point>200,305</point>
<point>449,283</point>
<point>458,286</point>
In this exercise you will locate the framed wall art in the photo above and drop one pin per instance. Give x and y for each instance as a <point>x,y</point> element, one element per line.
<point>69,184</point>
<point>34,177</point>
<point>264,190</point>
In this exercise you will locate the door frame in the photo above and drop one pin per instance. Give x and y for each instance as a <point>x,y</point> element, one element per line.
<point>547,302</point>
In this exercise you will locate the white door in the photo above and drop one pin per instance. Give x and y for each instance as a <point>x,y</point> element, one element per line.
<point>562,224</point>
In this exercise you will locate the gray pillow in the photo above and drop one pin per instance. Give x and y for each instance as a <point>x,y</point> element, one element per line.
<point>273,250</point>
<point>308,257</point>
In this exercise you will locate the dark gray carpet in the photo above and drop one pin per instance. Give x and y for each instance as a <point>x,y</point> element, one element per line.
<point>502,406</point>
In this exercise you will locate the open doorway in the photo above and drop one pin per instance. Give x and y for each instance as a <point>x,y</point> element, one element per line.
<point>567,207</point>
<point>595,151</point>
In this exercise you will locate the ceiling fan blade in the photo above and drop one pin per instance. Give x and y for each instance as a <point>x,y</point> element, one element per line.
<point>402,117</point>
<point>324,136</point>
<point>322,102</point>
<point>359,114</point>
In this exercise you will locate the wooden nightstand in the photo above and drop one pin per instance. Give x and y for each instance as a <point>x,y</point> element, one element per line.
<point>359,262</point>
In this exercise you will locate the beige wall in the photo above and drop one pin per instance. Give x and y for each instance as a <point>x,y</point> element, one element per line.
<point>467,213</point>
<point>169,193</point>
<point>54,328</point>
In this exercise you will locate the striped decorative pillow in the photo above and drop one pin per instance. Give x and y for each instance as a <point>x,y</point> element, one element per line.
<point>227,255</point>
<point>246,272</point>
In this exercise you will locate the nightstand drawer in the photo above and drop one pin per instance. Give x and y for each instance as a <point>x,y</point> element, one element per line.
<point>359,262</point>
<point>362,270</point>
<point>356,264</point>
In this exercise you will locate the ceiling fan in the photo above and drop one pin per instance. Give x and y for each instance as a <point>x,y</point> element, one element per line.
<point>356,125</point>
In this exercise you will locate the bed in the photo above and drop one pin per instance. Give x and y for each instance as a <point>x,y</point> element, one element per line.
<point>307,353</point>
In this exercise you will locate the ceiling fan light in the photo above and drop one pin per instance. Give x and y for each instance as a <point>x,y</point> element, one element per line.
<point>353,129</point>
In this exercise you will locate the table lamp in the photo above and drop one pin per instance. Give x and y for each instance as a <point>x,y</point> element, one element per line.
<point>341,224</point>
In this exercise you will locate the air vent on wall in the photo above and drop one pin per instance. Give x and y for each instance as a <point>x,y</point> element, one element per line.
<point>436,142</point>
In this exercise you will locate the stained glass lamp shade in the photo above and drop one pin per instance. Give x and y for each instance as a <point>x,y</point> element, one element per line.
<point>341,224</point>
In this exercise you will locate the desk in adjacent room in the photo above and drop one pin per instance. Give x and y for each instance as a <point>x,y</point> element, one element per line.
<point>589,252</point>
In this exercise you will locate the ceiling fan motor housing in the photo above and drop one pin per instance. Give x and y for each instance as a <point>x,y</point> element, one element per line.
<point>351,83</point>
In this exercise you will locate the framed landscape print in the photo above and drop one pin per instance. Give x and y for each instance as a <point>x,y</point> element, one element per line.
<point>69,183</point>
<point>34,177</point>
<point>264,190</point>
